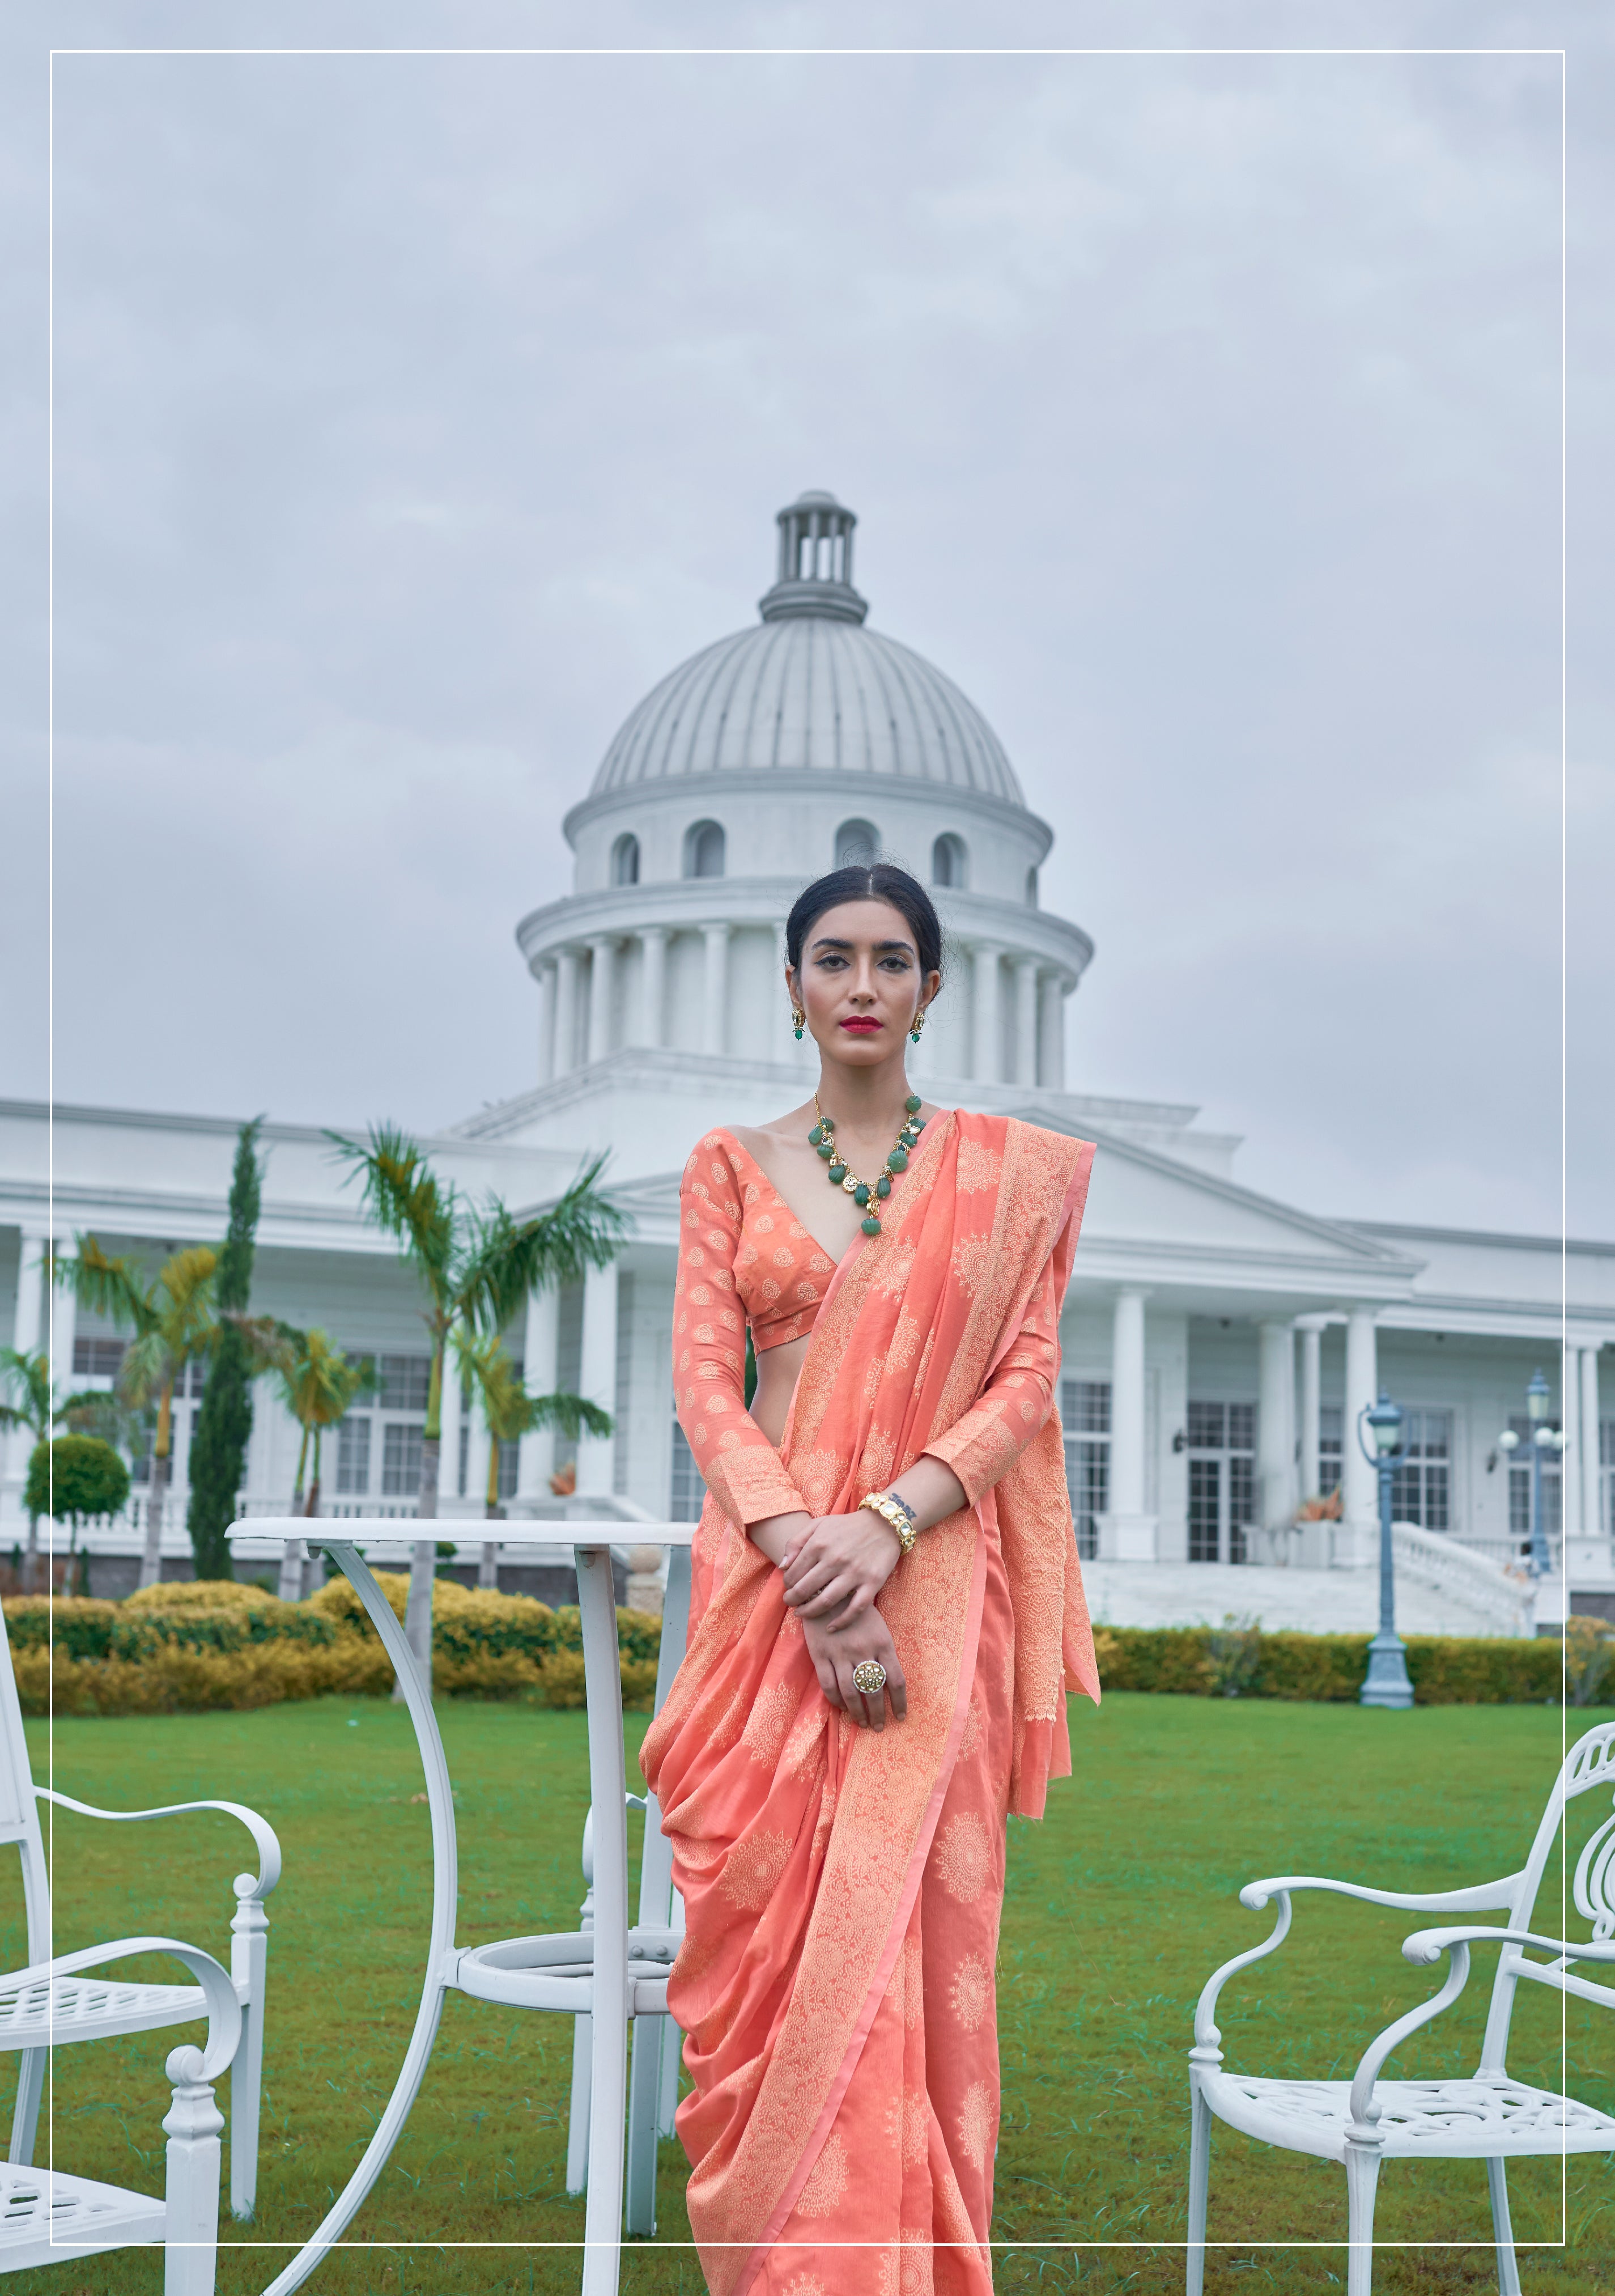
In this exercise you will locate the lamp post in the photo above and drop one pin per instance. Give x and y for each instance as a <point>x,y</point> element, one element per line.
<point>1544,1438</point>
<point>1386,1683</point>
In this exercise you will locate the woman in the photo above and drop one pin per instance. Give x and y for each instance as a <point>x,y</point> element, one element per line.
<point>886,1613</point>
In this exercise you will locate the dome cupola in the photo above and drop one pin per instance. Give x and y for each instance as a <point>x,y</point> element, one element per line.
<point>815,562</point>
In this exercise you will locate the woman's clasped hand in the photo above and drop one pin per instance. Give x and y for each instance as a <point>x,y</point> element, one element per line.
<point>832,1574</point>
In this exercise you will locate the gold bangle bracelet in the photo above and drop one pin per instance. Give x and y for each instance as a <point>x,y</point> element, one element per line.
<point>891,1509</point>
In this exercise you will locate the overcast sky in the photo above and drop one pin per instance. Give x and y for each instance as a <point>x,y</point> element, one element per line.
<point>413,414</point>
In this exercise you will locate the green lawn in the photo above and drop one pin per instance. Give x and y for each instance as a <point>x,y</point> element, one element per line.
<point>1119,1906</point>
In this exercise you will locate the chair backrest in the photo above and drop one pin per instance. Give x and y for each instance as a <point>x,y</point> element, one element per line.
<point>18,1810</point>
<point>1589,1766</point>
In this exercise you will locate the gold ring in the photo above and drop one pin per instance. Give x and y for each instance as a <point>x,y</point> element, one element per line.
<point>869,1676</point>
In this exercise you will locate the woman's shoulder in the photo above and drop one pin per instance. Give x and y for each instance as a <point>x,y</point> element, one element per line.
<point>999,1131</point>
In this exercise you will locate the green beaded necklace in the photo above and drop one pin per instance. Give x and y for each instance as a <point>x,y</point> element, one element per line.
<point>839,1173</point>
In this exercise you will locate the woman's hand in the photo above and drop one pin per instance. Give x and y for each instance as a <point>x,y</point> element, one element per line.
<point>836,1651</point>
<point>838,1568</point>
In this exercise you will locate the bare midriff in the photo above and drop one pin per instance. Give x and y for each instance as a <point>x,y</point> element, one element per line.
<point>777,1369</point>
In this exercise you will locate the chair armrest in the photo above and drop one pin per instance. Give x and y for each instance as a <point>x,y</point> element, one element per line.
<point>1484,1897</point>
<point>224,2011</point>
<point>1207,2037</point>
<point>1425,1946</point>
<point>265,1840</point>
<point>1364,2112</point>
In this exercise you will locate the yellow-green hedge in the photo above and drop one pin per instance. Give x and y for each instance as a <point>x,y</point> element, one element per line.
<point>1207,1662</point>
<point>187,1646</point>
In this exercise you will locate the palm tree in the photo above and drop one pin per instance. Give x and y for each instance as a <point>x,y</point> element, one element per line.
<point>475,1269</point>
<point>174,1324</point>
<point>511,1412</point>
<point>319,1383</point>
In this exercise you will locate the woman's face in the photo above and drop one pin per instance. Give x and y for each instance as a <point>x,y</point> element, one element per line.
<point>859,982</point>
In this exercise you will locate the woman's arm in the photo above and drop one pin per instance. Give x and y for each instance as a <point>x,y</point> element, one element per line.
<point>740,1465</point>
<point>836,1566</point>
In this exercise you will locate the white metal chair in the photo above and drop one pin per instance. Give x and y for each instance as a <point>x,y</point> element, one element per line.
<point>37,2013</point>
<point>1490,2117</point>
<point>47,2216</point>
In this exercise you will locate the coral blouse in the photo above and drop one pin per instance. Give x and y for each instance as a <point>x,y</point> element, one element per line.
<point>745,1258</point>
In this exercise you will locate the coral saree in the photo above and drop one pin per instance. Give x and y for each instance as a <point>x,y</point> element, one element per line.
<point>843,1887</point>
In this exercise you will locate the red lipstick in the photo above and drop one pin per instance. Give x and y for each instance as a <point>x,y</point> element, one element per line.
<point>861,1025</point>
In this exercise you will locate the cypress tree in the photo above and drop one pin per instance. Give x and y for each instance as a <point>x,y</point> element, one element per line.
<point>223,1424</point>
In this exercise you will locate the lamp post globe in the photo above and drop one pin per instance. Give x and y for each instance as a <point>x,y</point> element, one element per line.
<point>1538,1402</point>
<point>1386,1683</point>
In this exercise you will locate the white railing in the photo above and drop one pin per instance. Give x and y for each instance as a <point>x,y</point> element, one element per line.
<point>1505,1597</point>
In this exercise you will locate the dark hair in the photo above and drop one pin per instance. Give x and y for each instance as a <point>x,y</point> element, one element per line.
<point>868,881</point>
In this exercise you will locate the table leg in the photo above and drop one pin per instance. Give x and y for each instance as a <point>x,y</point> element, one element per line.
<point>602,1687</point>
<point>434,1761</point>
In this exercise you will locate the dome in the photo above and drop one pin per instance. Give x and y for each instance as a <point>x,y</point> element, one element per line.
<point>810,687</point>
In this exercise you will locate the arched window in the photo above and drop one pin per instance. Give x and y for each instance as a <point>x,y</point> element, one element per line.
<point>856,843</point>
<point>704,849</point>
<point>1031,887</point>
<point>947,860</point>
<point>625,860</point>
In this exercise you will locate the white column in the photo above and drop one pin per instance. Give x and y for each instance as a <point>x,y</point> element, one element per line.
<point>1025,1019</point>
<point>479,1443</point>
<point>603,982</point>
<point>448,1458</point>
<point>1051,1033</point>
<point>652,985</point>
<point>62,1308</point>
<point>1312,1391</point>
<point>597,1376</point>
<point>566,1011</point>
<point>1127,1533</point>
<point>1275,1428</point>
<point>546,1022</point>
<point>715,1019</point>
<point>1357,1533</point>
<point>1593,1524</point>
<point>986,1064</point>
<point>1569,1427</point>
<point>539,1354</point>
<point>25,1337</point>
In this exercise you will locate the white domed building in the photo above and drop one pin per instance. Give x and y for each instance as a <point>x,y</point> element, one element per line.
<point>1218,1345</point>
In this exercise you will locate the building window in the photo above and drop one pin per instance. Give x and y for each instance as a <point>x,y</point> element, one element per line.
<point>1222,1481</point>
<point>1331,1460</point>
<point>947,860</point>
<point>688,1489</point>
<point>353,1457</point>
<point>1519,1488</point>
<point>1418,1492</point>
<point>400,1459</point>
<point>625,860</point>
<point>856,843</point>
<point>1031,889</point>
<point>1085,1419</point>
<point>464,1462</point>
<point>704,849</point>
<point>510,1469</point>
<point>97,1358</point>
<point>403,1382</point>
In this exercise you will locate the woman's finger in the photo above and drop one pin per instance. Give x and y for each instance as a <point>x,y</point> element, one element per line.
<point>896,1689</point>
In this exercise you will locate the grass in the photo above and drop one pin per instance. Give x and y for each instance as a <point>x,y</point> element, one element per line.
<point>1119,1906</point>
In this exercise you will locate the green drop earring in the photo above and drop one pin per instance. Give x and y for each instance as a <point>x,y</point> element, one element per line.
<point>913,1034</point>
<point>799,1022</point>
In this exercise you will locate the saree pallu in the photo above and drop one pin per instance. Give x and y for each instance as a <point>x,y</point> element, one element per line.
<point>842,1888</point>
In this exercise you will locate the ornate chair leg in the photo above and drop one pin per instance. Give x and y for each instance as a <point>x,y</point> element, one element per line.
<point>1200,2173</point>
<point>577,2117</point>
<point>194,2125</point>
<point>249,1965</point>
<point>24,2118</point>
<point>1503,2230</point>
<point>1362,2176</point>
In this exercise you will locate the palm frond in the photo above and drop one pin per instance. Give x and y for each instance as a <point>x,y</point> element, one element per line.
<point>573,1415</point>
<point>147,1367</point>
<point>31,1373</point>
<point>186,1277</point>
<point>100,1411</point>
<point>505,1262</point>
<point>405,1199</point>
<point>270,1344</point>
<point>108,1285</point>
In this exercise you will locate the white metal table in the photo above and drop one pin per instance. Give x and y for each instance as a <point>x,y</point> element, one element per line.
<point>609,1973</point>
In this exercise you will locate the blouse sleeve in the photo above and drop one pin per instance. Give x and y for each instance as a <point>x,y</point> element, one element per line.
<point>1017,1399</point>
<point>740,1467</point>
